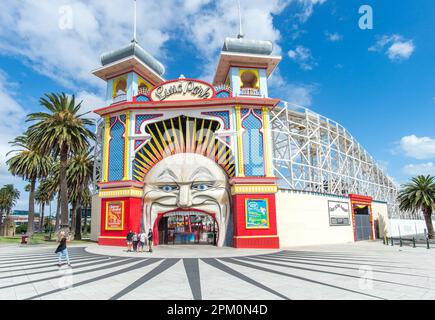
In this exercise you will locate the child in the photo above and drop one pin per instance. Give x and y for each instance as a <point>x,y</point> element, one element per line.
<point>142,239</point>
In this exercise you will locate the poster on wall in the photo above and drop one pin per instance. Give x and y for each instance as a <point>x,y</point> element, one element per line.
<point>257,214</point>
<point>338,213</point>
<point>115,215</point>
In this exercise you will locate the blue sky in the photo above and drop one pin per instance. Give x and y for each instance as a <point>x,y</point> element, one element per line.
<point>379,83</point>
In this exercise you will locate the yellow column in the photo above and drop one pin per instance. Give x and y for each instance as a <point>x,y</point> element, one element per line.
<point>241,171</point>
<point>106,149</point>
<point>126,145</point>
<point>266,135</point>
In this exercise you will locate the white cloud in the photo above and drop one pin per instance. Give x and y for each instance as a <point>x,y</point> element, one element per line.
<point>417,147</point>
<point>303,57</point>
<point>419,169</point>
<point>67,55</point>
<point>12,124</point>
<point>396,47</point>
<point>297,93</point>
<point>308,8</point>
<point>90,102</point>
<point>333,37</point>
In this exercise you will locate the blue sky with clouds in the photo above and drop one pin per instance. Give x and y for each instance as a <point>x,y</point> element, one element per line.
<point>377,83</point>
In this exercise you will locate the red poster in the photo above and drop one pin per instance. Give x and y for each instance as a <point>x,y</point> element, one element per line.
<point>115,215</point>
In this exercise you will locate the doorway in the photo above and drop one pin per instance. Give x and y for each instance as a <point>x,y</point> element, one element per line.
<point>363,227</point>
<point>187,227</point>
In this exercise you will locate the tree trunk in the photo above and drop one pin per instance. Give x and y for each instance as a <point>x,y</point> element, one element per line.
<point>64,216</point>
<point>427,213</point>
<point>31,208</point>
<point>41,218</point>
<point>86,221</point>
<point>57,213</point>
<point>78,231</point>
<point>73,217</point>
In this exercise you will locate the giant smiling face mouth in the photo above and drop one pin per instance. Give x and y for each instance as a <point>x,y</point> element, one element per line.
<point>187,182</point>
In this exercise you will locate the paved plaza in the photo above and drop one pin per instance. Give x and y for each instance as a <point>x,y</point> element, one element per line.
<point>363,270</point>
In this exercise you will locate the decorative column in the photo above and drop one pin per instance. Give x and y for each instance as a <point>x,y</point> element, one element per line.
<point>106,149</point>
<point>240,161</point>
<point>267,150</point>
<point>126,146</point>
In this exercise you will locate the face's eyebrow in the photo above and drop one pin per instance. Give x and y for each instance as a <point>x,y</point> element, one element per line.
<point>201,170</point>
<point>168,173</point>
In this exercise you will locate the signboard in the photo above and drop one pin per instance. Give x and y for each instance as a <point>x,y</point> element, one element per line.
<point>182,89</point>
<point>115,215</point>
<point>257,214</point>
<point>338,213</point>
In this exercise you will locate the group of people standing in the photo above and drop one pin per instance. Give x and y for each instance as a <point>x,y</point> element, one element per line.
<point>136,241</point>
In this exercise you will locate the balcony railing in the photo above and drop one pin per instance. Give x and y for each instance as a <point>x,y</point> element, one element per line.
<point>142,91</point>
<point>120,98</point>
<point>250,92</point>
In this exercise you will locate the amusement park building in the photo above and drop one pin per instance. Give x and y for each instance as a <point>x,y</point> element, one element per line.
<point>179,156</point>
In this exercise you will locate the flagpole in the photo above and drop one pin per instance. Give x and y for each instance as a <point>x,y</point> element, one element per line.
<point>135,22</point>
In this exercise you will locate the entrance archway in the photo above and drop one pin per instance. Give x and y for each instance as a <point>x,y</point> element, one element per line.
<point>185,227</point>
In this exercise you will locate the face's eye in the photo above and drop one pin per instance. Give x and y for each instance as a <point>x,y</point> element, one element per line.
<point>201,186</point>
<point>168,188</point>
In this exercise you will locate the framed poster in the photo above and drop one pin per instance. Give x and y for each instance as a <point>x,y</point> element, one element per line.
<point>338,213</point>
<point>257,213</point>
<point>115,215</point>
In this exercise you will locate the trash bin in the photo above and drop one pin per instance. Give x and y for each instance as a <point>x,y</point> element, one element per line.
<point>24,239</point>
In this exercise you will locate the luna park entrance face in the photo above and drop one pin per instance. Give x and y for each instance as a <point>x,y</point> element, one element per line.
<point>187,227</point>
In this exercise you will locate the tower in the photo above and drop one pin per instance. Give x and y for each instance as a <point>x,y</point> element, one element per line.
<point>245,66</point>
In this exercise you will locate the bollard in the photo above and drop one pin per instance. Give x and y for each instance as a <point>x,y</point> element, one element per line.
<point>400,241</point>
<point>413,242</point>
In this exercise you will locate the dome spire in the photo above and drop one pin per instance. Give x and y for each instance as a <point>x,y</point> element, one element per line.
<point>240,35</point>
<point>135,23</point>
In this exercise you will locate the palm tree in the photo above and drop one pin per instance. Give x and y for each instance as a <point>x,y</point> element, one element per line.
<point>43,197</point>
<point>51,186</point>
<point>419,194</point>
<point>60,132</point>
<point>31,165</point>
<point>79,176</point>
<point>8,198</point>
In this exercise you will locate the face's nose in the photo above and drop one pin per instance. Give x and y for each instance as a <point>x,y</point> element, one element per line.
<point>184,200</point>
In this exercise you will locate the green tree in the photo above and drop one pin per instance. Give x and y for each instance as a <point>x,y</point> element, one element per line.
<point>30,164</point>
<point>8,199</point>
<point>60,131</point>
<point>79,176</point>
<point>419,194</point>
<point>43,196</point>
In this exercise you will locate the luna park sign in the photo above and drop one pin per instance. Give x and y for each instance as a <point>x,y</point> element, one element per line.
<point>183,89</point>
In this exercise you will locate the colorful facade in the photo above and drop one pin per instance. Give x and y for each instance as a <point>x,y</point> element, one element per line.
<point>185,157</point>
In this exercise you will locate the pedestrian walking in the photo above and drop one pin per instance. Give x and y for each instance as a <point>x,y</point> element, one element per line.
<point>135,241</point>
<point>142,239</point>
<point>150,240</point>
<point>62,250</point>
<point>129,240</point>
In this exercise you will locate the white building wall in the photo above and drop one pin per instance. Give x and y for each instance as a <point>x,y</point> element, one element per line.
<point>96,217</point>
<point>380,213</point>
<point>405,228</point>
<point>303,219</point>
